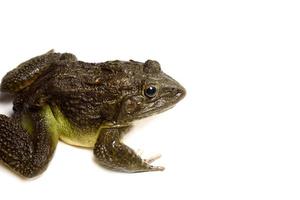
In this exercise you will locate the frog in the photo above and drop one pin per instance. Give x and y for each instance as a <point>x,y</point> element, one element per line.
<point>57,97</point>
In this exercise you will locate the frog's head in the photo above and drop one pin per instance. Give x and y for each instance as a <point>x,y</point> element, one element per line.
<point>154,92</point>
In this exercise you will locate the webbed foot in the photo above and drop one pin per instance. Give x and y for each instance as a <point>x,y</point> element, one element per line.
<point>113,154</point>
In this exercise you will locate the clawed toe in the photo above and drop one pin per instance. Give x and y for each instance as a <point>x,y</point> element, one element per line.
<point>152,159</point>
<point>156,168</point>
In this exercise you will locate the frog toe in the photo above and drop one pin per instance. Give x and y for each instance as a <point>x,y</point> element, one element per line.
<point>152,158</point>
<point>156,168</point>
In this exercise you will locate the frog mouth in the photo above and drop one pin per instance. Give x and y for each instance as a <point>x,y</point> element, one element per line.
<point>161,103</point>
<point>157,111</point>
<point>155,108</point>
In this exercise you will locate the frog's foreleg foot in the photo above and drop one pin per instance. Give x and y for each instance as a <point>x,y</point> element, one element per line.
<point>26,153</point>
<point>151,160</point>
<point>113,154</point>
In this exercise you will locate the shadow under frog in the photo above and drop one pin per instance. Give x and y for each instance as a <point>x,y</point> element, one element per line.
<point>56,97</point>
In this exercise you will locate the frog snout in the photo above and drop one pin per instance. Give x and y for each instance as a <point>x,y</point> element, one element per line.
<point>180,92</point>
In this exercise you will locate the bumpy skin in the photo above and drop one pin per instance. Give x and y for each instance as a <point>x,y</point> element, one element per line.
<point>84,104</point>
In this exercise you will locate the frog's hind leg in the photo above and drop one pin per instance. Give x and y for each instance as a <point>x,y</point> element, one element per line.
<point>26,153</point>
<point>113,154</point>
<point>27,72</point>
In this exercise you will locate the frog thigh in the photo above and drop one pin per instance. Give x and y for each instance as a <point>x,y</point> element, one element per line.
<point>26,73</point>
<point>27,152</point>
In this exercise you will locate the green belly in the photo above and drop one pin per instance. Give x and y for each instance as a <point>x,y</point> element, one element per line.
<point>85,139</point>
<point>68,133</point>
<point>60,127</point>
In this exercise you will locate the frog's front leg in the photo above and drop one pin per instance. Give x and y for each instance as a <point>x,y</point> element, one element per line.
<point>113,154</point>
<point>27,152</point>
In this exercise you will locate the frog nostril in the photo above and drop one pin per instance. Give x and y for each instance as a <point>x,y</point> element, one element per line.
<point>174,92</point>
<point>177,91</point>
<point>180,93</point>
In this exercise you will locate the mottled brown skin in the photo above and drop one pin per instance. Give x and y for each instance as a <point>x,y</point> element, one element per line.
<point>84,104</point>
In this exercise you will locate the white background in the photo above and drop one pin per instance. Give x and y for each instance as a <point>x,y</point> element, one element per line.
<point>234,136</point>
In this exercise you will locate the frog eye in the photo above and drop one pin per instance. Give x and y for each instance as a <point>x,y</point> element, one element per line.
<point>150,91</point>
